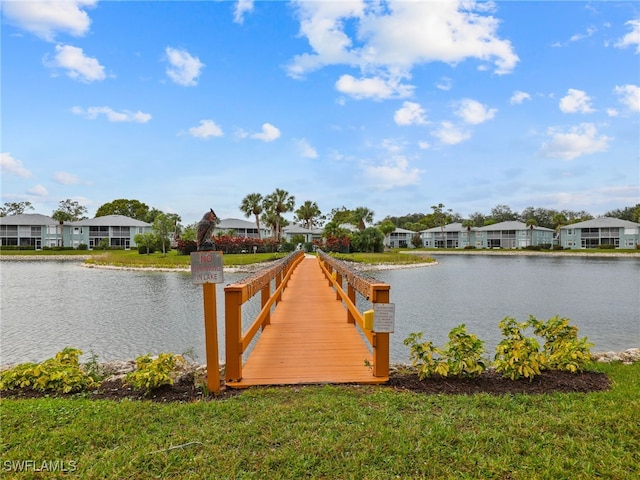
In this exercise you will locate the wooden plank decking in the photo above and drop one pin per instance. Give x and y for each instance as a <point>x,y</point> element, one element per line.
<point>309,339</point>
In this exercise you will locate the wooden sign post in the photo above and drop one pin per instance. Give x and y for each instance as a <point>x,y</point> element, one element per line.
<point>206,270</point>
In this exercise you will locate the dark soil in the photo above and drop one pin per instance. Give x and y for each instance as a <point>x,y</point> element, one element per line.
<point>402,380</point>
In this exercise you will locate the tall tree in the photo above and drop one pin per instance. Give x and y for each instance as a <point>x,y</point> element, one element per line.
<point>252,204</point>
<point>503,213</point>
<point>15,208</point>
<point>631,214</point>
<point>129,208</point>
<point>441,217</point>
<point>308,214</point>
<point>277,203</point>
<point>68,211</point>
<point>361,215</point>
<point>163,225</point>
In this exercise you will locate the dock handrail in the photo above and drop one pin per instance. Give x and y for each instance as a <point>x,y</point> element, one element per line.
<point>238,293</point>
<point>372,290</point>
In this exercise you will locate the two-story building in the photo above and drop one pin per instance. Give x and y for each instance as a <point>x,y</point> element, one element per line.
<point>512,234</point>
<point>241,228</point>
<point>600,231</point>
<point>399,238</point>
<point>32,230</point>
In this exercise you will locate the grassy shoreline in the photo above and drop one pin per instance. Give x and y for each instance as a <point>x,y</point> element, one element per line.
<point>328,431</point>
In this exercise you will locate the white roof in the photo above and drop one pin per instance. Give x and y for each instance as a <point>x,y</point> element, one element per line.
<point>110,221</point>
<point>236,224</point>
<point>28,219</point>
<point>603,222</point>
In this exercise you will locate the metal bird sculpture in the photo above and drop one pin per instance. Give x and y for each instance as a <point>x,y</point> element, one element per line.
<point>204,237</point>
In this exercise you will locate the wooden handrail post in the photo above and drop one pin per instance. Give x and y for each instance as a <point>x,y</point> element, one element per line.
<point>380,294</point>
<point>338,284</point>
<point>264,298</point>
<point>279,278</point>
<point>351,293</point>
<point>233,332</point>
<point>211,336</point>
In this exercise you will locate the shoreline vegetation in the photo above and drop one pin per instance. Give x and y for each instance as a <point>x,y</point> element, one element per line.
<point>248,263</point>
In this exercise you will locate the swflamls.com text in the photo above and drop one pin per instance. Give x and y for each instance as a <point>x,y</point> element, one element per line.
<point>39,466</point>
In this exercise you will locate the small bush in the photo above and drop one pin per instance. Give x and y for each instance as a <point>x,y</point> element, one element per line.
<point>60,374</point>
<point>606,246</point>
<point>144,250</point>
<point>155,372</point>
<point>460,357</point>
<point>83,246</point>
<point>517,355</point>
<point>562,349</point>
<point>469,247</point>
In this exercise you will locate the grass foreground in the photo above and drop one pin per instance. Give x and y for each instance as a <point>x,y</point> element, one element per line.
<point>330,431</point>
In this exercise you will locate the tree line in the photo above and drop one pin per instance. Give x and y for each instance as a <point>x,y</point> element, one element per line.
<point>340,225</point>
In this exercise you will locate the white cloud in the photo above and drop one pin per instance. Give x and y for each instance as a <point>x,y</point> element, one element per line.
<point>392,173</point>
<point>306,150</point>
<point>422,145</point>
<point>376,88</point>
<point>78,65</point>
<point>631,38</point>
<point>113,116</point>
<point>65,178</point>
<point>473,112</point>
<point>518,97</point>
<point>12,166</point>
<point>44,18</point>
<point>242,7</point>
<point>630,96</point>
<point>393,37</point>
<point>579,36</point>
<point>38,191</point>
<point>269,133</point>
<point>206,129</point>
<point>579,140</point>
<point>411,113</point>
<point>449,134</point>
<point>183,69</point>
<point>612,112</point>
<point>576,101</point>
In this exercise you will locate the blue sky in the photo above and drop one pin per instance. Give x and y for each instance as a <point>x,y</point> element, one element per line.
<point>392,105</point>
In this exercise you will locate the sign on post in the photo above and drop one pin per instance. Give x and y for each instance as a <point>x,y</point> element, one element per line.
<point>206,270</point>
<point>206,267</point>
<point>384,316</point>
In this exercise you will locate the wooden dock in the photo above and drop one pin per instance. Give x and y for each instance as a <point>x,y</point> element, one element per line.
<point>309,339</point>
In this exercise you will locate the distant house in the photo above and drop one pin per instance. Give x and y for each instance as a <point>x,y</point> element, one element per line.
<point>38,231</point>
<point>600,231</point>
<point>29,230</point>
<point>399,238</point>
<point>454,235</point>
<point>294,230</point>
<point>118,230</point>
<point>511,234</point>
<point>241,228</point>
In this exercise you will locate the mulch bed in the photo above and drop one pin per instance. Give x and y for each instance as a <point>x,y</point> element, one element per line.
<point>402,380</point>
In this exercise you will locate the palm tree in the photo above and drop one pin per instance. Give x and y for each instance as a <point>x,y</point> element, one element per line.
<point>308,214</point>
<point>531,223</point>
<point>361,215</point>
<point>252,204</point>
<point>559,219</point>
<point>277,203</point>
<point>441,217</point>
<point>468,224</point>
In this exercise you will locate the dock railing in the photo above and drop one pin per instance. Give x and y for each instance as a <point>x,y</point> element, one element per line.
<point>237,342</point>
<point>374,291</point>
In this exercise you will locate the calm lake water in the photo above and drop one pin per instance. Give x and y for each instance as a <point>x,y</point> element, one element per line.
<point>118,315</point>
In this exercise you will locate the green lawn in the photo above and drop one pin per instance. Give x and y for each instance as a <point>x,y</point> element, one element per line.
<point>334,432</point>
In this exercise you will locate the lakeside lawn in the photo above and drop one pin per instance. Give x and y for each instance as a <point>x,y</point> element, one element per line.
<point>336,432</point>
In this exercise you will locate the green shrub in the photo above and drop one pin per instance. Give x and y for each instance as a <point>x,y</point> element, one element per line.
<point>517,355</point>
<point>562,349</point>
<point>83,246</point>
<point>606,246</point>
<point>60,374</point>
<point>460,357</point>
<point>155,372</point>
<point>469,247</point>
<point>144,250</point>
